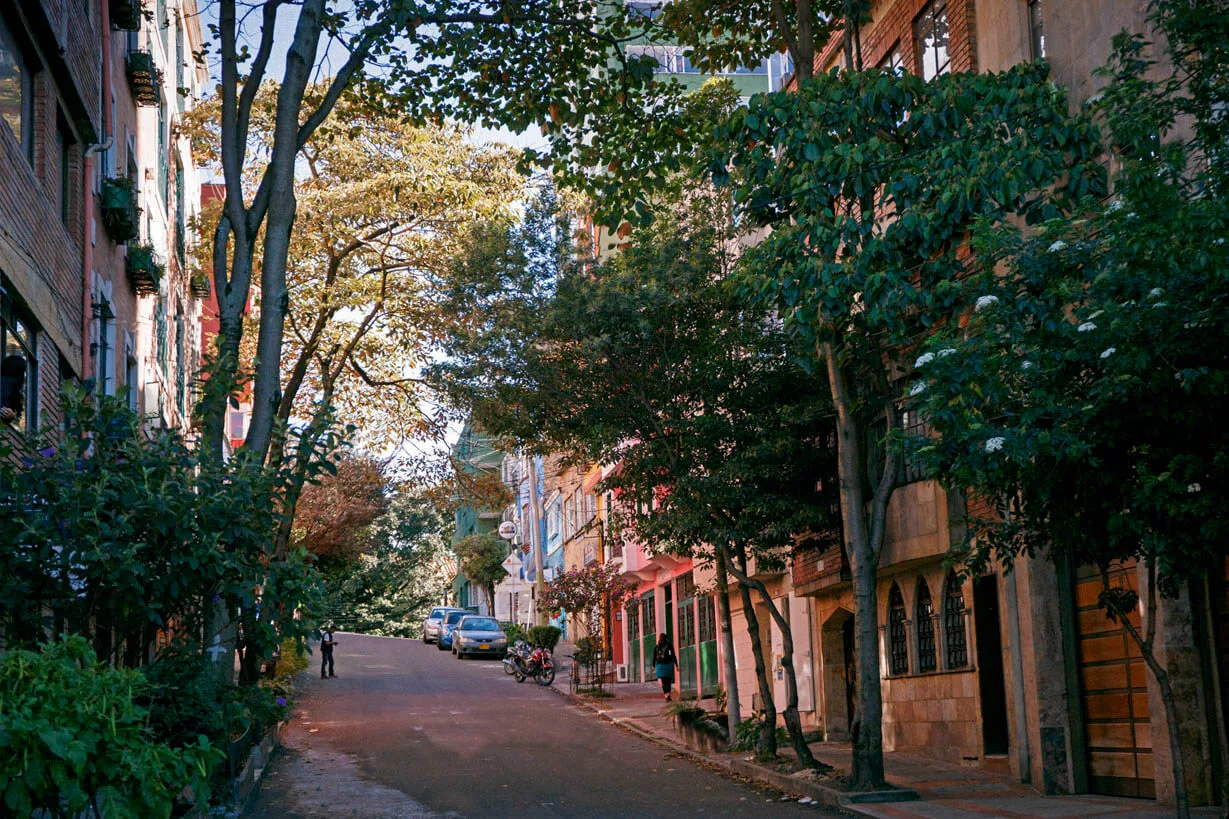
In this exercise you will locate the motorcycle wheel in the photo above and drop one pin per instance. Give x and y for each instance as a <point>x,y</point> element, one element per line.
<point>545,676</point>
<point>509,668</point>
<point>520,677</point>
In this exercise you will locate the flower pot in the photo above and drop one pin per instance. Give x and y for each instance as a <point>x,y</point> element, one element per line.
<point>120,213</point>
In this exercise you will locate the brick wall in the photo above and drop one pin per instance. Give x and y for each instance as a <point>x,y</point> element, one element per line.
<point>892,26</point>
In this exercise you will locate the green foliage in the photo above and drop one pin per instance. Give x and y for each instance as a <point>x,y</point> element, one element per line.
<point>545,636</point>
<point>292,660</point>
<point>481,558</point>
<point>587,649</point>
<point>1083,399</point>
<point>389,590</point>
<point>514,632</point>
<point>747,734</point>
<point>74,737</point>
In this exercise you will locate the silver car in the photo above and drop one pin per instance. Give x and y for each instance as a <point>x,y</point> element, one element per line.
<point>431,626</point>
<point>478,634</point>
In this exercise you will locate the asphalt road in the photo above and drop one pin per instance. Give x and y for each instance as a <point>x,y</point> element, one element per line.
<point>405,730</point>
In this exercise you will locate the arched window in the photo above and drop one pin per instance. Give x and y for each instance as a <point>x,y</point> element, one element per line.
<point>953,623</point>
<point>898,639</point>
<point>927,659</point>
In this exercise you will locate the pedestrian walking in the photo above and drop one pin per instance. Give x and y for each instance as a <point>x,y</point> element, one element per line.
<point>327,641</point>
<point>664,660</point>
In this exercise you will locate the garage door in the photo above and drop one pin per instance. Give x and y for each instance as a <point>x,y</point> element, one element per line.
<point>1114,692</point>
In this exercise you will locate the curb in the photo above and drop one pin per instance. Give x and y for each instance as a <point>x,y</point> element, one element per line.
<point>822,794</point>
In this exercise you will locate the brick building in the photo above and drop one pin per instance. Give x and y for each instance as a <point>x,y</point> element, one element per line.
<point>97,191</point>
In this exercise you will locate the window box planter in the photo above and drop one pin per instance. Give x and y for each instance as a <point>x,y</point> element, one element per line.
<point>126,14</point>
<point>144,78</point>
<point>144,271</point>
<point>120,213</point>
<point>199,284</point>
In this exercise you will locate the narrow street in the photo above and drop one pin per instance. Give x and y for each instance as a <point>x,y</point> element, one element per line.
<point>405,730</point>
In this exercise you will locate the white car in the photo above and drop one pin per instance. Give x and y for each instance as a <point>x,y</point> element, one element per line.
<point>431,626</point>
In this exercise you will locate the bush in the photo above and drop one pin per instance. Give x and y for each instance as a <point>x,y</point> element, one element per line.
<point>74,737</point>
<point>514,632</point>
<point>545,636</point>
<point>747,733</point>
<point>293,658</point>
<point>587,649</point>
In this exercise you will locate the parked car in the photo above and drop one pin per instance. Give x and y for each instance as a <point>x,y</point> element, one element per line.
<point>431,626</point>
<point>451,617</point>
<point>478,634</point>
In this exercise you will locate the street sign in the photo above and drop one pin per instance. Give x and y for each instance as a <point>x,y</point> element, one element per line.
<point>507,530</point>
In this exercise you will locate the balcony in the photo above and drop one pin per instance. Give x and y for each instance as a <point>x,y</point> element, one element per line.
<point>120,213</point>
<point>144,270</point>
<point>144,78</point>
<point>126,14</point>
<point>820,564</point>
<point>199,285</point>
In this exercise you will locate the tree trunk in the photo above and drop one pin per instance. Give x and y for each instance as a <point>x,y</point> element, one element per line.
<point>793,723</point>
<point>766,748</point>
<point>732,705</point>
<point>862,545</point>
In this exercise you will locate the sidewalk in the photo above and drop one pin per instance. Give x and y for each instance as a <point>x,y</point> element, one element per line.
<point>947,791</point>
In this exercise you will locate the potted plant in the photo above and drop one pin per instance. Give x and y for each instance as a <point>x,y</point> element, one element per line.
<point>199,284</point>
<point>144,270</point>
<point>120,213</point>
<point>144,77</point>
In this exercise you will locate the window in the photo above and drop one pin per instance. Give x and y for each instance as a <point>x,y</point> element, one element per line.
<point>898,637</point>
<point>16,91</point>
<point>914,428</point>
<point>644,9</point>
<point>893,61</point>
<point>1036,32</point>
<point>648,614</point>
<point>18,368</point>
<point>953,623</point>
<point>927,659</point>
<point>685,587</point>
<point>930,40</point>
<point>707,620</point>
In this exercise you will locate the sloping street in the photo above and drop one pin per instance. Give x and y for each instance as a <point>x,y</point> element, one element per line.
<point>405,730</point>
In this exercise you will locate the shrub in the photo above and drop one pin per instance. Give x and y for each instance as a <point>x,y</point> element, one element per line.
<point>75,738</point>
<point>587,649</point>
<point>515,632</point>
<point>747,733</point>
<point>293,658</point>
<point>545,636</point>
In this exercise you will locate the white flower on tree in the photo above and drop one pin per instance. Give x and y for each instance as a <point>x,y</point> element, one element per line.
<point>918,388</point>
<point>1154,292</point>
<point>1193,488</point>
<point>923,360</point>
<point>995,444</point>
<point>1108,351</point>
<point>947,351</point>
<point>985,301</point>
<point>1027,365</point>
<point>1086,327</point>
<point>1058,246</point>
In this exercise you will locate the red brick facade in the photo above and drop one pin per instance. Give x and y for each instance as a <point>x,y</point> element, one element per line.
<point>892,28</point>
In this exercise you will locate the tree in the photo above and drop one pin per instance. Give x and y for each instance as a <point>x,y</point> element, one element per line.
<point>555,63</point>
<point>652,361</point>
<point>481,558</point>
<point>388,587</point>
<point>858,290</point>
<point>336,515</point>
<point>588,594</point>
<point>1082,398</point>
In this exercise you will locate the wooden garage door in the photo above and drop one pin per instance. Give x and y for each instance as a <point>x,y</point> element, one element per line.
<point>1114,692</point>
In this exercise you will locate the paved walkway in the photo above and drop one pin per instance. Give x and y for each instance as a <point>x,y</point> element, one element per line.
<point>408,731</point>
<point>948,791</point>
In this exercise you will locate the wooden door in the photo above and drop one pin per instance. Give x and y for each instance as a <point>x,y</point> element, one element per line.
<point>1113,692</point>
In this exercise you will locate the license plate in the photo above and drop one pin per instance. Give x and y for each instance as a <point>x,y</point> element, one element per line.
<point>484,646</point>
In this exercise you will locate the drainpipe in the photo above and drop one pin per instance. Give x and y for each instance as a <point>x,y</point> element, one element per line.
<point>87,191</point>
<point>1017,669</point>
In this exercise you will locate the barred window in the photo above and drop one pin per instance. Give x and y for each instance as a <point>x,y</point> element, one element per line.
<point>927,658</point>
<point>953,623</point>
<point>708,619</point>
<point>898,639</point>
<point>685,586</point>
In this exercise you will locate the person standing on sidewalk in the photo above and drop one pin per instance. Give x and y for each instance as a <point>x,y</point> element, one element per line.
<point>664,660</point>
<point>327,641</point>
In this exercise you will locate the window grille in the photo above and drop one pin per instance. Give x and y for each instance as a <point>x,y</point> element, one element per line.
<point>898,638</point>
<point>707,619</point>
<point>685,586</point>
<point>649,614</point>
<point>953,623</point>
<point>927,658</point>
<point>1036,29</point>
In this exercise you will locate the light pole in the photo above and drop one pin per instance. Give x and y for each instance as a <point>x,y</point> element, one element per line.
<point>539,582</point>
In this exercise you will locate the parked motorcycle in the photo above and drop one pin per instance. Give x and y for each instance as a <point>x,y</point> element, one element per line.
<point>518,652</point>
<point>538,664</point>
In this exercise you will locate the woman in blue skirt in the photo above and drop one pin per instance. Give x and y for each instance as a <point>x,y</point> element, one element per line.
<point>664,659</point>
